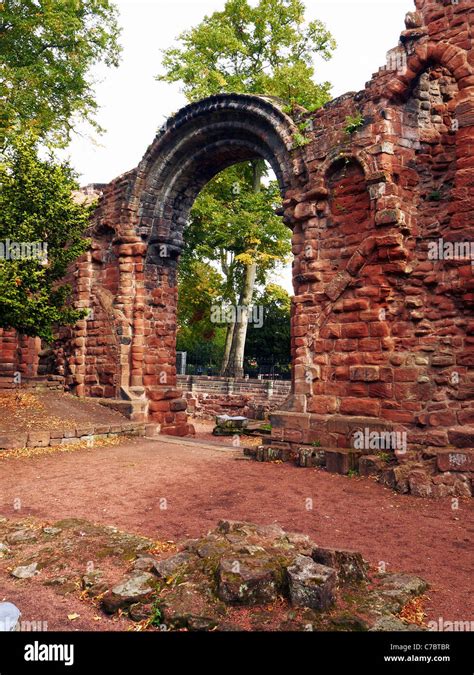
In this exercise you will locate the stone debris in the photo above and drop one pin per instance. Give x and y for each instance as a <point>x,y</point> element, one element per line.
<point>240,573</point>
<point>25,571</point>
<point>350,566</point>
<point>135,587</point>
<point>310,584</point>
<point>165,569</point>
<point>52,531</point>
<point>243,565</point>
<point>248,579</point>
<point>229,426</point>
<point>22,536</point>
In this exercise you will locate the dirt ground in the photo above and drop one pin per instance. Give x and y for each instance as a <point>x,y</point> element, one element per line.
<point>169,490</point>
<point>44,411</point>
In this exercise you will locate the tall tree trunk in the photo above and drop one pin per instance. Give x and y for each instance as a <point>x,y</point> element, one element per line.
<point>235,365</point>
<point>228,347</point>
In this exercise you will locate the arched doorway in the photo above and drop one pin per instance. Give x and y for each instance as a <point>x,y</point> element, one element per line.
<point>199,142</point>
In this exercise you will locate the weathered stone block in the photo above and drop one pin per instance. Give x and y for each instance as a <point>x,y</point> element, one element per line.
<point>310,584</point>
<point>38,439</point>
<point>342,460</point>
<point>13,441</point>
<point>350,565</point>
<point>132,589</point>
<point>248,580</point>
<point>452,460</point>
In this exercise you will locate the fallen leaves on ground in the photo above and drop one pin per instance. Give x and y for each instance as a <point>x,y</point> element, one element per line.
<point>69,447</point>
<point>24,410</point>
<point>163,547</point>
<point>414,611</point>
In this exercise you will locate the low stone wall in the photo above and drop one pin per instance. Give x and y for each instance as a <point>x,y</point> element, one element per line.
<point>211,396</point>
<point>80,434</point>
<point>49,383</point>
<point>438,473</point>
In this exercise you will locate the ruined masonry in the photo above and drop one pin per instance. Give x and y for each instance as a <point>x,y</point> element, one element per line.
<point>379,198</point>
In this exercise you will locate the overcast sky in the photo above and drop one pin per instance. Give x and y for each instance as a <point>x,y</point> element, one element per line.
<point>133,105</point>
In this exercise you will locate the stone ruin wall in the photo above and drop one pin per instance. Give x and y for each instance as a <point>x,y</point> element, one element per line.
<point>380,330</point>
<point>382,336</point>
<point>208,397</point>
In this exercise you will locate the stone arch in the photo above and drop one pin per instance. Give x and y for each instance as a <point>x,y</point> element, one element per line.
<point>367,346</point>
<point>199,142</point>
<point>367,163</point>
<point>424,54</point>
<point>192,147</point>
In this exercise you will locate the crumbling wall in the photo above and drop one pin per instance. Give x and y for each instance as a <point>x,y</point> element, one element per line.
<point>383,325</point>
<point>379,200</point>
<point>210,396</point>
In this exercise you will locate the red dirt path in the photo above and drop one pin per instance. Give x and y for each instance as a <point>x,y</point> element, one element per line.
<point>123,485</point>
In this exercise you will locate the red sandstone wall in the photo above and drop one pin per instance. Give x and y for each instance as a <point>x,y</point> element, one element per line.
<point>381,334</point>
<point>18,354</point>
<point>210,396</point>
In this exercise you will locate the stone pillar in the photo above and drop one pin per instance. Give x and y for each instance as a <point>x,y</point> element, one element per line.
<point>78,357</point>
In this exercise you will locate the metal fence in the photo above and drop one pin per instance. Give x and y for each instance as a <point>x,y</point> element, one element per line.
<point>259,371</point>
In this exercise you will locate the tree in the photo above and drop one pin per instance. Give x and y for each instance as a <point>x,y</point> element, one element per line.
<point>47,48</point>
<point>236,229</point>
<point>267,49</point>
<point>274,336</point>
<point>200,287</point>
<point>41,233</point>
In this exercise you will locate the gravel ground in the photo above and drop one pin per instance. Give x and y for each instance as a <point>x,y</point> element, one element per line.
<point>171,490</point>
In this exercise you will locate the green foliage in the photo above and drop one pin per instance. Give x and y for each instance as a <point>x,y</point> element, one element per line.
<point>36,205</point>
<point>264,49</point>
<point>300,141</point>
<point>200,287</point>
<point>46,50</point>
<point>230,226</point>
<point>234,226</point>
<point>156,618</point>
<point>354,123</point>
<point>274,337</point>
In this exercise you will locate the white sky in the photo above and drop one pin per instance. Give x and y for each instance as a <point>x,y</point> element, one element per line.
<point>134,105</point>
